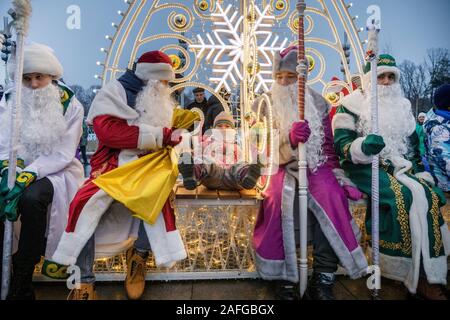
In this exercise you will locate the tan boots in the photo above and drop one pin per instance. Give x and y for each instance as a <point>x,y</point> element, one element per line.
<point>134,282</point>
<point>136,270</point>
<point>86,292</point>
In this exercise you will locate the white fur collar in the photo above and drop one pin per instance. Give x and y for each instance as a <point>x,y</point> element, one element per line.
<point>354,102</point>
<point>112,100</point>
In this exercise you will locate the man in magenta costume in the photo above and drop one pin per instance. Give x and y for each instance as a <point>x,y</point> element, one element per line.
<point>331,228</point>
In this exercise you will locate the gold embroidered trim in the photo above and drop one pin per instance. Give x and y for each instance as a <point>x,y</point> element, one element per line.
<point>346,150</point>
<point>391,245</point>
<point>402,215</point>
<point>435,217</point>
<point>387,61</point>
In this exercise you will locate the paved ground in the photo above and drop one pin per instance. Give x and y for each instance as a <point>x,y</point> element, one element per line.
<point>345,289</point>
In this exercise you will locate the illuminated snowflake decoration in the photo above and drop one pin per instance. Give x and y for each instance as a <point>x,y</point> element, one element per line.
<point>228,41</point>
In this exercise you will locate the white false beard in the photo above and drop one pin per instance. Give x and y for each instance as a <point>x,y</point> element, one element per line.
<point>220,147</point>
<point>154,105</point>
<point>41,123</point>
<point>395,120</point>
<point>285,113</point>
<point>223,135</point>
<point>224,142</point>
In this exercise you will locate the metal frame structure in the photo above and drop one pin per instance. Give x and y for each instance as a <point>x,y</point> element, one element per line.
<point>244,34</point>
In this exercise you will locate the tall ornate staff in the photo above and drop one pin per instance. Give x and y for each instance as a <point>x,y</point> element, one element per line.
<point>372,57</point>
<point>302,164</point>
<point>21,15</point>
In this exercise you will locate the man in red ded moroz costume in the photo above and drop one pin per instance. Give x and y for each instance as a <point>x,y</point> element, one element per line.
<point>131,117</point>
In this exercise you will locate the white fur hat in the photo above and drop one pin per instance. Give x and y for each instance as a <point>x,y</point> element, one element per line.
<point>39,58</point>
<point>285,60</point>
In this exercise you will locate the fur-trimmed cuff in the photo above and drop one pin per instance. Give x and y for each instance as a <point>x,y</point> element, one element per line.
<point>65,253</point>
<point>72,243</point>
<point>32,169</point>
<point>167,246</point>
<point>426,176</point>
<point>358,156</point>
<point>150,137</point>
<point>342,178</point>
<point>446,239</point>
<point>343,121</point>
<point>176,250</point>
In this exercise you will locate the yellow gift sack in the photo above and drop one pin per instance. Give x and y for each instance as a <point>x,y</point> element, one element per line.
<point>144,185</point>
<point>184,119</point>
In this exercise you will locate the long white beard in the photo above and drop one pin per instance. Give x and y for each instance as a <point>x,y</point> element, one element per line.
<point>42,124</point>
<point>285,113</point>
<point>220,148</point>
<point>155,105</point>
<point>395,120</point>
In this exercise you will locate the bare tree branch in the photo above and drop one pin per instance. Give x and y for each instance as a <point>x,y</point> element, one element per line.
<point>414,82</point>
<point>438,68</point>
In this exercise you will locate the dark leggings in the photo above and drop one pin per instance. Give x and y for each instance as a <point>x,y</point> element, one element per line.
<point>324,258</point>
<point>33,206</point>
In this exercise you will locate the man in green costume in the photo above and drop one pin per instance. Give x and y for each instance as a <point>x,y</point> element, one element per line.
<point>414,240</point>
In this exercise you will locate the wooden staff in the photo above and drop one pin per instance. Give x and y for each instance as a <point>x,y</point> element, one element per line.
<point>302,163</point>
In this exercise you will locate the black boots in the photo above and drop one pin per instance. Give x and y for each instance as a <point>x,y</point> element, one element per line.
<point>321,286</point>
<point>288,291</point>
<point>187,171</point>
<point>251,177</point>
<point>21,287</point>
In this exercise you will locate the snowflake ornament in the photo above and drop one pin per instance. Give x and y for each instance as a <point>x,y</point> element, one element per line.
<point>228,41</point>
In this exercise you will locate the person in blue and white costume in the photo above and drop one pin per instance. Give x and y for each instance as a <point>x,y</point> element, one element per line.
<point>437,137</point>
